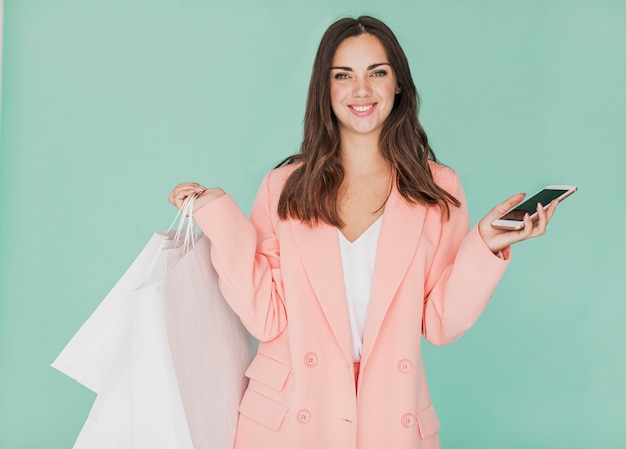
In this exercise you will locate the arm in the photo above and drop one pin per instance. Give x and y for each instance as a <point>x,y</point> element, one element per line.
<point>463,275</point>
<point>245,254</point>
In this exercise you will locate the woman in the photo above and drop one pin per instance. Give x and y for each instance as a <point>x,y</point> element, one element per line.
<point>354,247</point>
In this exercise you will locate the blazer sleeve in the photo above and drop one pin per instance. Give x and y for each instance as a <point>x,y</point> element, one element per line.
<point>246,256</point>
<point>462,277</point>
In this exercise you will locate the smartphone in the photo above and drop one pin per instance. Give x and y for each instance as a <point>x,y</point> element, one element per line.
<point>514,218</point>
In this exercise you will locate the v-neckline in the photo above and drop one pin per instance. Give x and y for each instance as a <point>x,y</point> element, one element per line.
<point>374,224</point>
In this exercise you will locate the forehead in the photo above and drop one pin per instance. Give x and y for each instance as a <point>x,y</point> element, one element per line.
<point>364,49</point>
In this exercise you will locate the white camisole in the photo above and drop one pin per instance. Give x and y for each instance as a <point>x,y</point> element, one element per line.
<point>358,260</point>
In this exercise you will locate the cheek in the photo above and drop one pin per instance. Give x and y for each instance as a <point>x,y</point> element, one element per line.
<point>336,95</point>
<point>391,94</point>
<point>392,87</point>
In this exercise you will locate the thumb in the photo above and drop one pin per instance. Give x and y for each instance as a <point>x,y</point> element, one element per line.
<point>503,207</point>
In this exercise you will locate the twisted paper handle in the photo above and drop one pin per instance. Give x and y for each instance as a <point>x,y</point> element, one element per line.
<point>186,224</point>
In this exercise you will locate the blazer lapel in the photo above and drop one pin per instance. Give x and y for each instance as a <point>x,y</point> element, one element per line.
<point>321,256</point>
<point>399,235</point>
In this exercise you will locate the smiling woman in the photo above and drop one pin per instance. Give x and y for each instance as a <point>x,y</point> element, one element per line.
<point>105,104</point>
<point>355,247</point>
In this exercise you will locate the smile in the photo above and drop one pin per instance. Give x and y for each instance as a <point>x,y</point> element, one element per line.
<point>362,108</point>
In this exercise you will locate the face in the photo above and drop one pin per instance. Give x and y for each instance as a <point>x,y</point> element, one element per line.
<point>362,86</point>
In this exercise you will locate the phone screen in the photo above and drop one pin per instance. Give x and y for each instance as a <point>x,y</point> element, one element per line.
<point>530,205</point>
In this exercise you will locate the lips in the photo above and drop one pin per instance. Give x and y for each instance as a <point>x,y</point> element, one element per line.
<point>362,108</point>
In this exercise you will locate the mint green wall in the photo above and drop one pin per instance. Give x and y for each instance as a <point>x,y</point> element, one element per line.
<point>107,104</point>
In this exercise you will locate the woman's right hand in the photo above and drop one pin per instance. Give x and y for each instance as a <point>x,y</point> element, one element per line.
<point>205,196</point>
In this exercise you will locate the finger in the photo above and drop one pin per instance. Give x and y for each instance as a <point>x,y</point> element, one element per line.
<point>183,190</point>
<point>188,186</point>
<point>542,222</point>
<point>551,209</point>
<point>503,207</point>
<point>188,191</point>
<point>527,230</point>
<point>177,201</point>
<point>180,193</point>
<point>511,202</point>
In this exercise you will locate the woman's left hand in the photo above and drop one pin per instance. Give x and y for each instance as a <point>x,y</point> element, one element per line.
<point>499,239</point>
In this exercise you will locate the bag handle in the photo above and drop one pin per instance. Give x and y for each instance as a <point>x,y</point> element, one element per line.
<point>186,224</point>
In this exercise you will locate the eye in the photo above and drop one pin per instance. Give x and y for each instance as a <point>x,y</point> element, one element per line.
<point>340,76</point>
<point>378,73</point>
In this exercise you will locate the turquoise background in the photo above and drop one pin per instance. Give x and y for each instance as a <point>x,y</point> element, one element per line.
<point>106,105</point>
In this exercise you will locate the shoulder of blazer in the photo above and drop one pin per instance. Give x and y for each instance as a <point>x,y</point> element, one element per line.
<point>278,176</point>
<point>275,180</point>
<point>444,176</point>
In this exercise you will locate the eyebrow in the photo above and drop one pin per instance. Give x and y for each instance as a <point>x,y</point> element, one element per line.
<point>371,67</point>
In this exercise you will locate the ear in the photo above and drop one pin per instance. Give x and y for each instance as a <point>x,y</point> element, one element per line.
<point>398,90</point>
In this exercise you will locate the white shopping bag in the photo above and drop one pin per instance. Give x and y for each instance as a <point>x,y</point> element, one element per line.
<point>164,353</point>
<point>210,375</point>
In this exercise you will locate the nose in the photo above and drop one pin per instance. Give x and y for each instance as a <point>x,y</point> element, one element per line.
<point>361,87</point>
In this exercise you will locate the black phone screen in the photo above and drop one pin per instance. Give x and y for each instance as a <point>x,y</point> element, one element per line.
<point>529,206</point>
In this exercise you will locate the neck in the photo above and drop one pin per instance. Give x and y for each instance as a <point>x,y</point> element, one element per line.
<point>360,155</point>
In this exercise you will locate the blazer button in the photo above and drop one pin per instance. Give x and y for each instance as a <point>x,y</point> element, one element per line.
<point>310,359</point>
<point>304,416</point>
<point>408,420</point>
<point>405,366</point>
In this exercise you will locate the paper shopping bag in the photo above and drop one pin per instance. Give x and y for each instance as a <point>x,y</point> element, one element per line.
<point>122,353</point>
<point>138,404</point>
<point>91,353</point>
<point>210,374</point>
<point>164,352</point>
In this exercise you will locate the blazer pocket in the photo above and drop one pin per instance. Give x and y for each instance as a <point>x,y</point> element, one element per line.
<point>262,409</point>
<point>269,372</point>
<point>427,422</point>
<point>261,401</point>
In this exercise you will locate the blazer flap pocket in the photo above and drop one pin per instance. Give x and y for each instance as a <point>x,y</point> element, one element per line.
<point>427,422</point>
<point>269,372</point>
<point>264,410</point>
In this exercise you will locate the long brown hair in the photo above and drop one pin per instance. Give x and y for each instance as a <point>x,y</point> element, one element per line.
<point>310,193</point>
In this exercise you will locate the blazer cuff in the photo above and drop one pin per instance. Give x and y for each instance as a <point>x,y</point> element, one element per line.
<point>219,216</point>
<point>485,253</point>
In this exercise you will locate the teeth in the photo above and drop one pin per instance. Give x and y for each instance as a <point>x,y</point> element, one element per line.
<point>362,108</point>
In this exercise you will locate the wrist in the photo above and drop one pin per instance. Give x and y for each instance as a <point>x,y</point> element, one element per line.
<point>207,197</point>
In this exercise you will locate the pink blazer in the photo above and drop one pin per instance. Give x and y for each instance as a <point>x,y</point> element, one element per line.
<point>284,279</point>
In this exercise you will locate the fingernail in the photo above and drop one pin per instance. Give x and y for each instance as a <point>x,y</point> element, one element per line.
<point>539,206</point>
